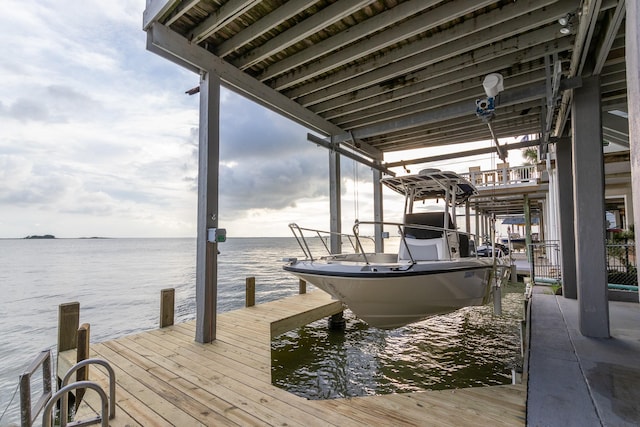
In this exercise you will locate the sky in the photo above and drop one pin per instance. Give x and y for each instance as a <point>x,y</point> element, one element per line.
<point>98,138</point>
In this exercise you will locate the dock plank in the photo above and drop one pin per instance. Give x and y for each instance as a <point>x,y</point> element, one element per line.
<point>166,378</point>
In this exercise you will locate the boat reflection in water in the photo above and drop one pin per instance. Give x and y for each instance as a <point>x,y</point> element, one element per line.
<point>470,347</point>
<point>434,271</point>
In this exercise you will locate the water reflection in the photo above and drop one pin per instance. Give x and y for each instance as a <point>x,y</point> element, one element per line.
<point>467,348</point>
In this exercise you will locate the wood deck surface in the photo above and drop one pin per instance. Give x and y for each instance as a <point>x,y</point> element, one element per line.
<point>165,378</point>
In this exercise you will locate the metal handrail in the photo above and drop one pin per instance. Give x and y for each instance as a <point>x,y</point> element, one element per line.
<point>358,247</point>
<point>103,420</point>
<point>44,360</point>
<point>112,387</point>
<point>302,241</point>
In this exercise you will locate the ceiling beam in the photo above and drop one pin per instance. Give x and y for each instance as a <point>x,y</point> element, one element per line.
<point>613,27</point>
<point>156,9</point>
<point>471,89</point>
<point>351,155</point>
<point>258,28</point>
<point>318,21</point>
<point>178,49</point>
<point>462,154</point>
<point>459,109</point>
<point>176,13</point>
<point>470,132</point>
<point>587,17</point>
<point>219,18</point>
<point>502,55</point>
<point>344,38</point>
<point>495,26</point>
<point>377,42</point>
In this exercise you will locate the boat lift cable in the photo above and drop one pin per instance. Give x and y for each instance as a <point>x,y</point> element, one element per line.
<point>349,154</point>
<point>355,190</point>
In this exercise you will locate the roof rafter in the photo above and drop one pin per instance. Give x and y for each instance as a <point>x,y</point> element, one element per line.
<point>304,29</point>
<point>368,45</point>
<point>502,55</point>
<point>454,110</point>
<point>196,56</point>
<point>227,12</point>
<point>495,26</point>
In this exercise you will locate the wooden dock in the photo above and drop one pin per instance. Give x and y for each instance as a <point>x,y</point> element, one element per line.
<point>166,378</point>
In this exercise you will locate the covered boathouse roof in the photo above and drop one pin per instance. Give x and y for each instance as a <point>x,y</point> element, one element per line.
<point>388,75</point>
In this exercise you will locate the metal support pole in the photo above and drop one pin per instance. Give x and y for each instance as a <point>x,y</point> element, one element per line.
<point>334,202</point>
<point>207,252</point>
<point>378,211</point>
<point>589,211</point>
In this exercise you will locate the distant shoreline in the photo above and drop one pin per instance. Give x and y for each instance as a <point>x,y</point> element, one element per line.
<point>51,236</point>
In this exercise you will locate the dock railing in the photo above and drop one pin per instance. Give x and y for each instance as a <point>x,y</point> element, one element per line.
<point>621,265</point>
<point>517,175</point>
<point>545,262</point>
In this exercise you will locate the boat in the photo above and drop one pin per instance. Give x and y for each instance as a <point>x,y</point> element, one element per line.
<point>434,271</point>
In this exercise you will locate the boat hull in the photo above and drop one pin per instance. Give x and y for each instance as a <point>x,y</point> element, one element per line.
<point>390,296</point>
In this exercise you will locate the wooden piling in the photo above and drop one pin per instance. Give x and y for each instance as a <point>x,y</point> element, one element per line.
<point>302,287</point>
<point>68,322</point>
<point>250,299</point>
<point>167,307</point>
<point>82,353</point>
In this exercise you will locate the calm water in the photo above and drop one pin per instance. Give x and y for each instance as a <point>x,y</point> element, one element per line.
<point>118,283</point>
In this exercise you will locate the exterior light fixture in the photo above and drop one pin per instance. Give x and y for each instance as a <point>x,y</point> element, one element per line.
<point>565,23</point>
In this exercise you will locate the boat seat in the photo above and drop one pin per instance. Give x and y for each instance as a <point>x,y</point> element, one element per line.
<point>421,249</point>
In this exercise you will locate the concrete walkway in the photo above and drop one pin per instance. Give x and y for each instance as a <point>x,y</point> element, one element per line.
<point>580,381</point>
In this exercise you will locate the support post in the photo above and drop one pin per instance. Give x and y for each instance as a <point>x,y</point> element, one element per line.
<point>302,287</point>
<point>167,307</point>
<point>527,228</point>
<point>68,323</point>
<point>564,160</point>
<point>334,202</point>
<point>378,211</point>
<point>82,354</point>
<point>207,252</point>
<point>337,322</point>
<point>477,223</point>
<point>632,56</point>
<point>250,299</point>
<point>589,211</point>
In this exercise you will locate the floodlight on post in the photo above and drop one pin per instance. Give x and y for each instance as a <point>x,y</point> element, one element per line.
<point>566,23</point>
<point>493,84</point>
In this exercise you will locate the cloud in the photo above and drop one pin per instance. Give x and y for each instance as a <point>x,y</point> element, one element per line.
<point>267,162</point>
<point>97,133</point>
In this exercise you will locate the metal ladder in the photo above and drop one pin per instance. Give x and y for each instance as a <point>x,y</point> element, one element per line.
<point>47,400</point>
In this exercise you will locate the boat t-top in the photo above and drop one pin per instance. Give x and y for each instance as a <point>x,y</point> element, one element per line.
<point>434,271</point>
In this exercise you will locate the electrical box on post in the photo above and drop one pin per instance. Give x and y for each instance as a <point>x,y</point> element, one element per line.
<point>216,235</point>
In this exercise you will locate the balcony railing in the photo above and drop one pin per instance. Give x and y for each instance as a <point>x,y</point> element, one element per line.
<point>501,176</point>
